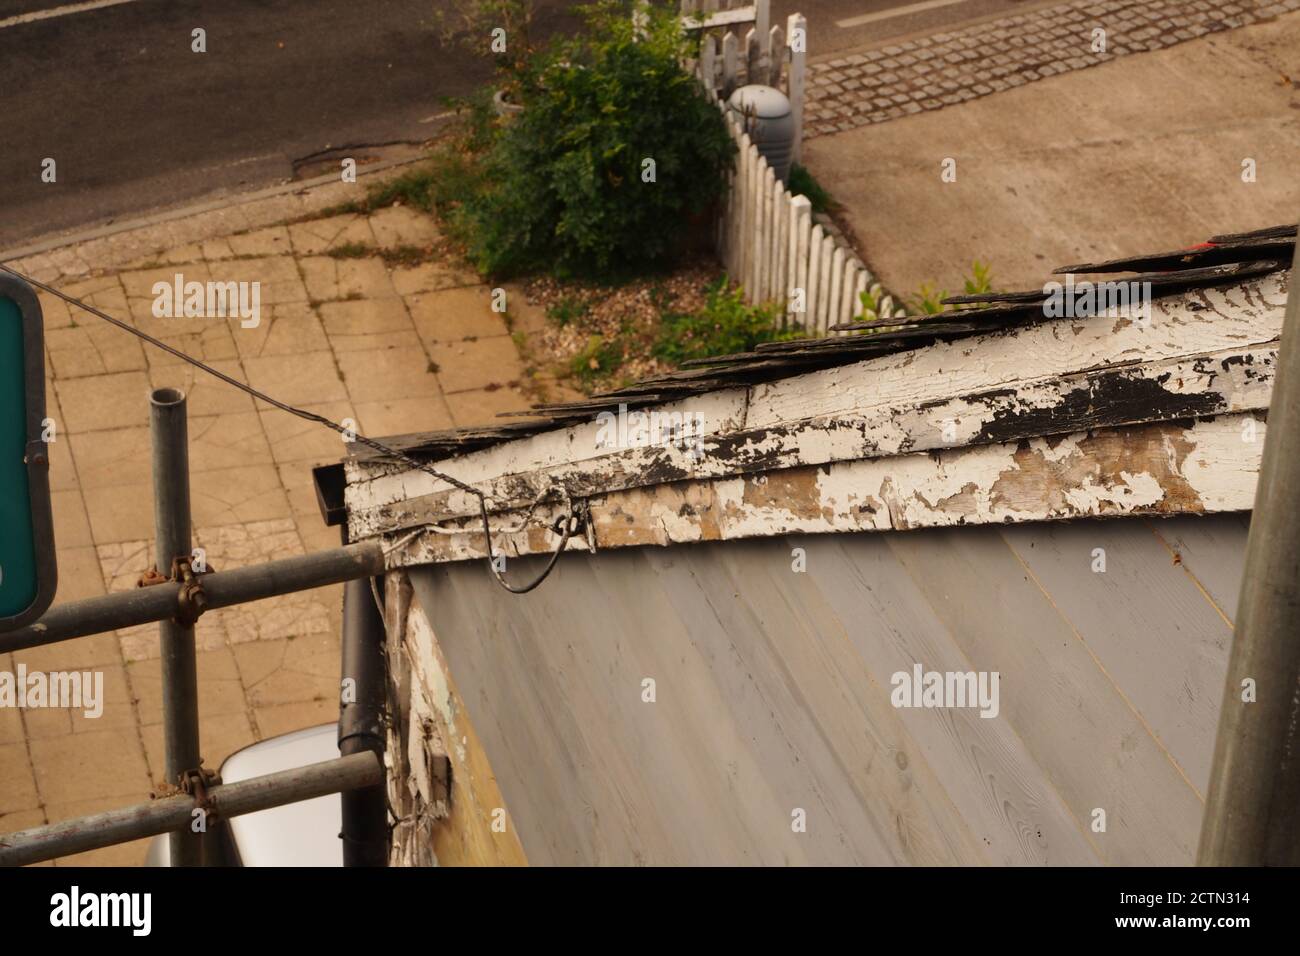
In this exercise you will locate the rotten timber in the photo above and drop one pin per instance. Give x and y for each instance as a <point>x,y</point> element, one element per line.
<point>1277,242</point>
<point>445,799</point>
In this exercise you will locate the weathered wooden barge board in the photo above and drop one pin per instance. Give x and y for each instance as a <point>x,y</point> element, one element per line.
<point>1202,353</point>
<point>1204,466</point>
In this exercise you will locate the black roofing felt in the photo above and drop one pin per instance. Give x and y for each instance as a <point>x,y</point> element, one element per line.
<point>1224,260</point>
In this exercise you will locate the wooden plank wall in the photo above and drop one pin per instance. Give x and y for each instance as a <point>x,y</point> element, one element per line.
<point>772,694</point>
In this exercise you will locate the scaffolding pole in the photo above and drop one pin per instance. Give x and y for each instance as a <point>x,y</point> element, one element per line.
<point>180,681</point>
<point>158,602</point>
<point>1252,809</point>
<point>176,813</point>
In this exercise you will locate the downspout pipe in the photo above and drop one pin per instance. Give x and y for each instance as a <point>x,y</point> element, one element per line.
<point>363,688</point>
<point>361,722</point>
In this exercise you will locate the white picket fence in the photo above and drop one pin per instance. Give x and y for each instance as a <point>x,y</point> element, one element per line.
<point>766,237</point>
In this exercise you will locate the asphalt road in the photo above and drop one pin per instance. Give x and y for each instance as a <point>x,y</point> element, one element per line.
<point>838,25</point>
<point>136,121</point>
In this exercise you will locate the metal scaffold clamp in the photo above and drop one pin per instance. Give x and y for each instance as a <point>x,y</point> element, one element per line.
<point>197,783</point>
<point>191,602</point>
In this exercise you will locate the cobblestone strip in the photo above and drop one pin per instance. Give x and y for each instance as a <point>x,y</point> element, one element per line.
<point>948,68</point>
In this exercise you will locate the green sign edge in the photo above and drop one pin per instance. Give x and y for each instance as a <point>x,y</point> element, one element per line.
<point>38,456</point>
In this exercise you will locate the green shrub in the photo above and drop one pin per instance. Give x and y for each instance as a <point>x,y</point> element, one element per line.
<point>870,300</point>
<point>451,174</point>
<point>726,324</point>
<point>469,25</point>
<point>415,187</point>
<point>564,186</point>
<point>929,300</point>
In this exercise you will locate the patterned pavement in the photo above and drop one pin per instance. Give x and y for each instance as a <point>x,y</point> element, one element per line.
<point>944,69</point>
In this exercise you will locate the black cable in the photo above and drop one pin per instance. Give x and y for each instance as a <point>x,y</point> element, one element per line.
<point>570,524</point>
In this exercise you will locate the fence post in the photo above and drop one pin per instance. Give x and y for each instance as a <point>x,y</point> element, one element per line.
<point>846,290</point>
<point>765,234</point>
<point>707,56</point>
<point>814,277</point>
<point>776,56</point>
<point>171,494</point>
<point>730,43</point>
<point>774,194</point>
<point>796,38</point>
<point>797,271</point>
<point>760,230</point>
<point>734,207</point>
<point>861,281</point>
<point>835,300</point>
<point>780,238</point>
<point>824,280</point>
<point>746,218</point>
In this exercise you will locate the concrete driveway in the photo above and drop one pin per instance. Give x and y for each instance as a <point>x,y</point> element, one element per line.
<point>1144,153</point>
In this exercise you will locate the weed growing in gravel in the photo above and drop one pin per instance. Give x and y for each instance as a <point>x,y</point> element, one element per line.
<point>726,324</point>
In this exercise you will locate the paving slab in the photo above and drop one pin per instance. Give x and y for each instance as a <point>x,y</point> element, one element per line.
<point>336,335</point>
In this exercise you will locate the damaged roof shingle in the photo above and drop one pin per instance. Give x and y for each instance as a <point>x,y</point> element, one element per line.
<point>1225,259</point>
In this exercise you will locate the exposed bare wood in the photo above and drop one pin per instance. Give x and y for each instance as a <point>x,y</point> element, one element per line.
<point>1187,324</point>
<point>1202,467</point>
<point>446,796</point>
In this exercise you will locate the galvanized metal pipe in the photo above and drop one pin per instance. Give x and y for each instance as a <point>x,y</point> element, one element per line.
<point>110,612</point>
<point>361,722</point>
<point>180,681</point>
<point>1252,810</point>
<point>173,813</point>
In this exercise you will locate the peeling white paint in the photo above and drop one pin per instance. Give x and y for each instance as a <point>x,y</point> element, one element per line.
<point>850,411</point>
<point>1204,467</point>
<point>1231,380</point>
<point>1201,321</point>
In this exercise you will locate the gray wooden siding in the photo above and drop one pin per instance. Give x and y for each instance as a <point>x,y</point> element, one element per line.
<point>773,693</point>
